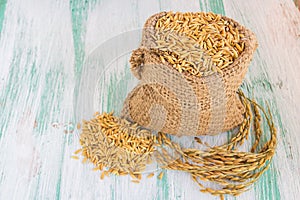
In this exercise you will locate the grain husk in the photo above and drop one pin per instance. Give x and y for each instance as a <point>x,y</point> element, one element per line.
<point>181,103</point>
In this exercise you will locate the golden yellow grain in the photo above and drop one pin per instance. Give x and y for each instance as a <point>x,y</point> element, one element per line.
<point>124,148</point>
<point>160,176</point>
<point>84,160</point>
<point>78,126</point>
<point>150,175</point>
<point>179,42</point>
<point>135,181</point>
<point>77,151</point>
<point>121,130</point>
<point>75,157</point>
<point>96,113</point>
<point>139,176</point>
<point>95,169</point>
<point>198,140</point>
<point>123,173</point>
<point>232,169</point>
<point>133,175</point>
<point>102,175</point>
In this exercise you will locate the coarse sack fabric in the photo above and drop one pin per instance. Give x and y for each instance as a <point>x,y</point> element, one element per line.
<point>180,103</point>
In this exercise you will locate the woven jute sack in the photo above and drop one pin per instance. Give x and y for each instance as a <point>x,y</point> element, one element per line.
<point>180,103</point>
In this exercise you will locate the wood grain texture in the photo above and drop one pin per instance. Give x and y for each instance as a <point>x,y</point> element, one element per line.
<point>43,49</point>
<point>274,75</point>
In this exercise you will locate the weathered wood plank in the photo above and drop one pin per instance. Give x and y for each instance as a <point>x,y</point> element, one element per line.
<point>273,77</point>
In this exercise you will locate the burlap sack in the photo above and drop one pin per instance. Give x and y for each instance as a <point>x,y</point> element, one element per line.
<point>180,103</point>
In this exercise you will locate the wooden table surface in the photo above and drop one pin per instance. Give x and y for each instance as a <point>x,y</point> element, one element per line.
<point>44,45</point>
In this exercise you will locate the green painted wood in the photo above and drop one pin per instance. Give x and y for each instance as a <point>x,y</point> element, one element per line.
<point>259,82</point>
<point>2,11</point>
<point>79,13</point>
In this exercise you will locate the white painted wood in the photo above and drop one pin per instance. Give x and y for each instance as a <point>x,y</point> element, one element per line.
<point>277,26</point>
<point>278,35</point>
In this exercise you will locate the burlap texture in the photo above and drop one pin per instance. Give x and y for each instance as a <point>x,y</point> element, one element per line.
<point>180,103</point>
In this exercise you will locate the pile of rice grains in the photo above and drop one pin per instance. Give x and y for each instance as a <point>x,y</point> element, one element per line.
<point>117,146</point>
<point>198,43</point>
